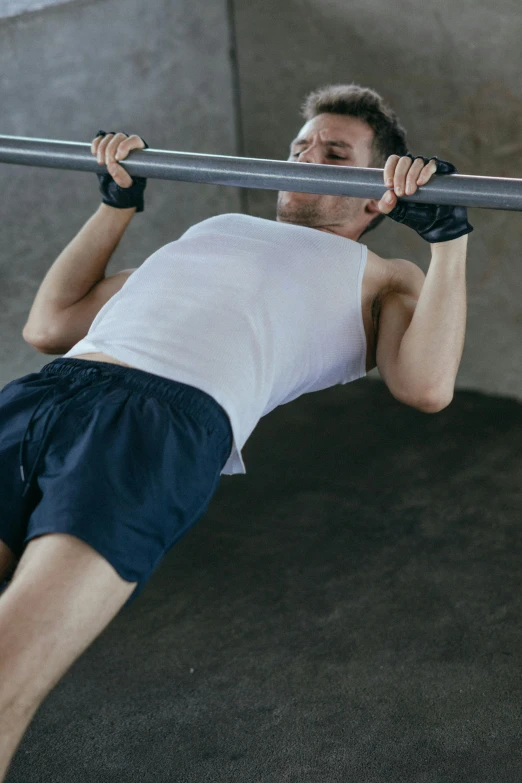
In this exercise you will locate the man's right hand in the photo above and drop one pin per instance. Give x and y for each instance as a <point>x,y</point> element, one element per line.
<point>113,147</point>
<point>118,188</point>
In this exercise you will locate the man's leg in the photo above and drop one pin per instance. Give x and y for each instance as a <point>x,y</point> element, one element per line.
<point>62,596</point>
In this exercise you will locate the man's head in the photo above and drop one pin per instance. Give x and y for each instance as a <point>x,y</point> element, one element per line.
<point>366,132</point>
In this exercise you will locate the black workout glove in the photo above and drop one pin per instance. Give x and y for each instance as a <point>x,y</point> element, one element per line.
<point>434,223</point>
<point>122,198</point>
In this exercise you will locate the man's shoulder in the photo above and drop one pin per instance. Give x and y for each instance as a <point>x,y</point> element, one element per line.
<point>397,275</point>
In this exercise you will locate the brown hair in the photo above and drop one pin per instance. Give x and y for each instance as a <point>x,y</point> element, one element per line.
<point>367,105</point>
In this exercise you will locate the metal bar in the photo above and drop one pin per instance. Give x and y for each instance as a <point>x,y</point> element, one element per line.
<point>453,189</point>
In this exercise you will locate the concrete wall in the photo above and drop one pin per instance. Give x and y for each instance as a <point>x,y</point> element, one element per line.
<point>450,70</point>
<point>17,7</point>
<point>163,72</point>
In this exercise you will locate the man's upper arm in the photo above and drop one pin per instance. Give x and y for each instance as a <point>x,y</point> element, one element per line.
<point>72,324</point>
<point>395,315</point>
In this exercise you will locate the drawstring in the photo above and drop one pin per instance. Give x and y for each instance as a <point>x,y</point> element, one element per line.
<point>47,435</point>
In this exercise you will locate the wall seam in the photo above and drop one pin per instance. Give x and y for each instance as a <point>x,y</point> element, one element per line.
<point>236,97</point>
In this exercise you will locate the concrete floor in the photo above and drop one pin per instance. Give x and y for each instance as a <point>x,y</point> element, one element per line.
<point>347,611</point>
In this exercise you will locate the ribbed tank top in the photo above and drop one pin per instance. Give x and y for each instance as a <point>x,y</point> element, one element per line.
<point>251,311</point>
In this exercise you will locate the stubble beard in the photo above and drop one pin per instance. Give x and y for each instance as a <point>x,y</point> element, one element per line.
<point>316,211</point>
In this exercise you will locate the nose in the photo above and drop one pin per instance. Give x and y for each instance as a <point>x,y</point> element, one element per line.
<point>312,154</point>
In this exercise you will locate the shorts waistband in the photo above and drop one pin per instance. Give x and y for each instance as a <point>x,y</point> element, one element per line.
<point>193,401</point>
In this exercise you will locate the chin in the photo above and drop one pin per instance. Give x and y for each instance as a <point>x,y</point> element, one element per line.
<point>287,201</point>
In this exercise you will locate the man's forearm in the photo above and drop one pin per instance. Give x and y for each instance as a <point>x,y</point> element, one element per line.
<point>80,266</point>
<point>434,342</point>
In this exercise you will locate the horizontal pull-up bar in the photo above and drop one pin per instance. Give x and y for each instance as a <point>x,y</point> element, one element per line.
<point>454,189</point>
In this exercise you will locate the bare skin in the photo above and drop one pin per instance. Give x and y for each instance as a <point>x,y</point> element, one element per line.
<point>102,357</point>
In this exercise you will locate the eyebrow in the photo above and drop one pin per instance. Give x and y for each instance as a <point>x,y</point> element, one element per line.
<point>329,142</point>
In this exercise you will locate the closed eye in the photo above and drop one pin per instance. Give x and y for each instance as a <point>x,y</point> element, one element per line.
<point>336,157</point>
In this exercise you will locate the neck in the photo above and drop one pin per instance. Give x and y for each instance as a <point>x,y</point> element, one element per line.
<point>340,232</point>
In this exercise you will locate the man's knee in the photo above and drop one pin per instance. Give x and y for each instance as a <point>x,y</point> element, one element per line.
<point>74,560</point>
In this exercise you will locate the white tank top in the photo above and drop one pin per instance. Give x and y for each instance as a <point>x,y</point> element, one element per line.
<point>251,311</point>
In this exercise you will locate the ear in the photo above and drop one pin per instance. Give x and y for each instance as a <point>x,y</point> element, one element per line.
<point>372,207</point>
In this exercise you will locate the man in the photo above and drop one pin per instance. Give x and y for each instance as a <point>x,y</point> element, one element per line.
<point>120,444</point>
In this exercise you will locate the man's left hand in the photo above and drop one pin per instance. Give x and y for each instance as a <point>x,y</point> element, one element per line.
<point>404,175</point>
<point>435,223</point>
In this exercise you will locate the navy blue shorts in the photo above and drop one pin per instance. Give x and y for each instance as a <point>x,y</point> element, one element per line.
<point>125,460</point>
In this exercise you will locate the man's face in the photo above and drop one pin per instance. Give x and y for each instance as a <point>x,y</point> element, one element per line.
<point>338,140</point>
